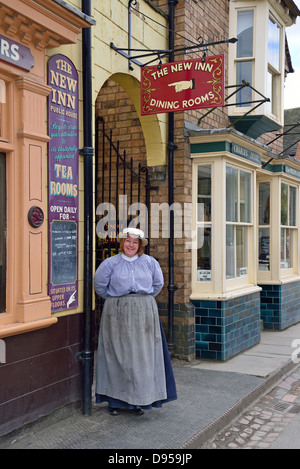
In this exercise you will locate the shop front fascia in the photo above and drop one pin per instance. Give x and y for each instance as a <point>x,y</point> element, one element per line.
<point>27,30</point>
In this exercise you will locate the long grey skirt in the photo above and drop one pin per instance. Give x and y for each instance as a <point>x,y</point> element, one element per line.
<point>130,360</point>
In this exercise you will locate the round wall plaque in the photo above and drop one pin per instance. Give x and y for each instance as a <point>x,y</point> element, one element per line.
<point>35,216</point>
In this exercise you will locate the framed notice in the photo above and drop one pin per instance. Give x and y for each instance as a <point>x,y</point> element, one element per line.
<point>182,86</point>
<point>63,129</point>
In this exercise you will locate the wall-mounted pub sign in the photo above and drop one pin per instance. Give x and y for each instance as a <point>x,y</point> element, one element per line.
<point>182,86</point>
<point>63,131</point>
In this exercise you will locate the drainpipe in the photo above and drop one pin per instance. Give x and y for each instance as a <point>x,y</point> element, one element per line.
<point>171,149</point>
<point>87,354</point>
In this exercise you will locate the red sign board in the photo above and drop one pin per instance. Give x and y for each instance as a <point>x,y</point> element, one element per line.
<point>182,86</point>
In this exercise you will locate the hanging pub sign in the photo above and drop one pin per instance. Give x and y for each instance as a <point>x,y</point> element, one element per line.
<point>63,183</point>
<point>182,86</point>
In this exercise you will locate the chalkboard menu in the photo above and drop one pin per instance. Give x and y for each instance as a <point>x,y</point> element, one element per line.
<point>63,183</point>
<point>63,252</point>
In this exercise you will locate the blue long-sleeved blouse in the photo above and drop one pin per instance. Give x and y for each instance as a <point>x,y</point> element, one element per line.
<point>120,275</point>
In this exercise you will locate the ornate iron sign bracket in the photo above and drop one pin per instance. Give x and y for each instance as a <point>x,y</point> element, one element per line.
<point>158,53</point>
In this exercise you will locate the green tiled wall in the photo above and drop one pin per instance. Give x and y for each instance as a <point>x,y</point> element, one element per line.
<point>280,305</point>
<point>226,328</point>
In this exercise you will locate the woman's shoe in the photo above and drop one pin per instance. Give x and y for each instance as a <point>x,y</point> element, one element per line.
<point>113,411</point>
<point>138,410</point>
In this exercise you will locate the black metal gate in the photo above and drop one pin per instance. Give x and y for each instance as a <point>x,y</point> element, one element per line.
<point>119,179</point>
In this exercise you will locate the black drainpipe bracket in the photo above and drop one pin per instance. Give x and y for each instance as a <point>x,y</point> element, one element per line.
<point>86,151</point>
<point>84,356</point>
<point>172,146</point>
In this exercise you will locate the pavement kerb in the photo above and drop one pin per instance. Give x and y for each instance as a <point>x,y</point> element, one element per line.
<point>231,414</point>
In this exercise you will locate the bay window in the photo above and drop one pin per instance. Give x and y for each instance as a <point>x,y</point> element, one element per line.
<point>257,58</point>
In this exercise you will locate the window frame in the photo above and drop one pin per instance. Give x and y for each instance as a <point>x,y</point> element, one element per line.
<point>264,225</point>
<point>294,229</point>
<point>273,73</point>
<point>260,68</point>
<point>203,225</point>
<point>245,59</point>
<point>243,279</point>
<point>218,285</point>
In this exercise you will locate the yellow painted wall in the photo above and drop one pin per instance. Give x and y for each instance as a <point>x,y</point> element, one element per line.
<point>111,18</point>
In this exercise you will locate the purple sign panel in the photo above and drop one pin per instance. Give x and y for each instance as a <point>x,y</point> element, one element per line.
<point>63,131</point>
<point>15,53</point>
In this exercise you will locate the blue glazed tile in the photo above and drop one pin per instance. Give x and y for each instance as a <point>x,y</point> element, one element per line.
<point>208,355</point>
<point>215,329</point>
<point>215,312</point>
<point>232,326</point>
<point>201,345</point>
<point>208,337</point>
<point>202,328</point>
<point>215,347</point>
<point>208,304</point>
<point>205,320</point>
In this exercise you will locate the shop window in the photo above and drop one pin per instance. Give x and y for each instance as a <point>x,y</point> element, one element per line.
<point>244,55</point>
<point>264,226</point>
<point>2,233</point>
<point>204,228</point>
<point>288,225</point>
<point>238,219</point>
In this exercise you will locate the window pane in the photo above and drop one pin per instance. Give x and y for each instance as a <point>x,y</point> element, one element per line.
<point>244,72</point>
<point>204,193</point>
<point>269,91</point>
<point>245,33</point>
<point>289,248</point>
<point>292,207</point>
<point>245,197</point>
<point>264,249</point>
<point>230,271</point>
<point>204,254</point>
<point>241,251</point>
<point>284,204</point>
<point>2,233</point>
<point>282,249</point>
<point>264,203</point>
<point>231,194</point>
<point>273,44</point>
